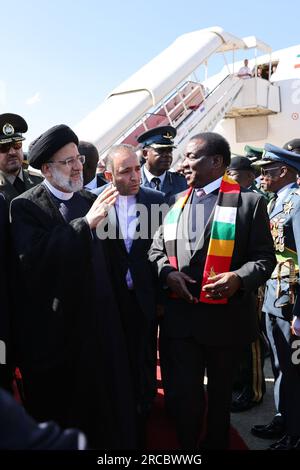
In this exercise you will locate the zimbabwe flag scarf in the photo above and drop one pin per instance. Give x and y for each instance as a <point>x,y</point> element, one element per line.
<point>222,237</point>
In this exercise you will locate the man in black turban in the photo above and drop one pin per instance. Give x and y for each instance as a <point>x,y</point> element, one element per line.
<point>70,345</point>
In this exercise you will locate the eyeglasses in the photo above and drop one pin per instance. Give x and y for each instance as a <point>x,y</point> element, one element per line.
<point>4,148</point>
<point>269,171</point>
<point>71,161</point>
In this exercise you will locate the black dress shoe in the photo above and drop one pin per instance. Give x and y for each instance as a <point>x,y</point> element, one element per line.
<point>273,430</point>
<point>286,443</point>
<point>243,404</point>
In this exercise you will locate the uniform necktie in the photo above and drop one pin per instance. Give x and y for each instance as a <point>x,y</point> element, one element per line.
<point>19,185</point>
<point>200,192</point>
<point>156,181</point>
<point>272,203</point>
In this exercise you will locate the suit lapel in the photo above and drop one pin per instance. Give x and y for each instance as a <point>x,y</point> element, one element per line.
<point>167,186</point>
<point>182,236</point>
<point>145,182</point>
<point>276,210</point>
<point>279,208</point>
<point>205,235</point>
<point>141,200</point>
<point>27,180</point>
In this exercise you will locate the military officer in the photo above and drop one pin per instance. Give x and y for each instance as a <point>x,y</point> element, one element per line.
<point>253,153</point>
<point>279,172</point>
<point>158,144</point>
<point>14,180</point>
<point>293,145</point>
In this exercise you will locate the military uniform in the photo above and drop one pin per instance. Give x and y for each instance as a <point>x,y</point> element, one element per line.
<point>170,183</point>
<point>174,183</point>
<point>14,180</point>
<point>255,154</point>
<point>8,189</point>
<point>282,293</point>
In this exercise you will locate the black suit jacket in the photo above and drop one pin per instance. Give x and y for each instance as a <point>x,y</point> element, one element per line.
<point>174,183</point>
<point>137,258</point>
<point>253,260</point>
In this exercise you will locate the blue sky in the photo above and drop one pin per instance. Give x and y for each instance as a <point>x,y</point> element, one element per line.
<point>60,58</point>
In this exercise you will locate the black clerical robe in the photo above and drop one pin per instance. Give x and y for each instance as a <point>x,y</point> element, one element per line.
<point>68,334</point>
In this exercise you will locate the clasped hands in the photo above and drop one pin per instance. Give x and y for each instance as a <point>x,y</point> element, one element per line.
<point>221,286</point>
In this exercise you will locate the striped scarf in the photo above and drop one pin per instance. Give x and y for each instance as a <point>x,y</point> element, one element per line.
<point>222,238</point>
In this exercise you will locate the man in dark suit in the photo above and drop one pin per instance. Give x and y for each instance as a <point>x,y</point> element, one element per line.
<point>158,144</point>
<point>212,271</point>
<point>18,431</point>
<point>133,222</point>
<point>91,179</point>
<point>279,173</point>
<point>14,180</point>
<point>70,345</point>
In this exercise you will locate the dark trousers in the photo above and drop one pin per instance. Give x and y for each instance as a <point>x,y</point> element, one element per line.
<point>184,361</point>
<point>249,379</point>
<point>141,340</point>
<point>278,332</point>
<point>286,365</point>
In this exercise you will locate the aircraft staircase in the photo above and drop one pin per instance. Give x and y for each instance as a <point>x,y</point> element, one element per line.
<point>161,93</point>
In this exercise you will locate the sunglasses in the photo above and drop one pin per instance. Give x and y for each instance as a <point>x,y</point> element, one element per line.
<point>269,171</point>
<point>4,148</point>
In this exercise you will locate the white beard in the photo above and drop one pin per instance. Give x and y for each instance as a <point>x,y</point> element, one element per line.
<point>63,182</point>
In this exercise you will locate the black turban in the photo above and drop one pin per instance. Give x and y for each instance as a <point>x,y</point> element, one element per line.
<point>48,143</point>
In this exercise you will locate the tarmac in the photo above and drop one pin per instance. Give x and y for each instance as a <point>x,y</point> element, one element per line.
<point>259,414</point>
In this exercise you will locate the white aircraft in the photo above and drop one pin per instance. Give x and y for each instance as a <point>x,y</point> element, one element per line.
<point>167,90</point>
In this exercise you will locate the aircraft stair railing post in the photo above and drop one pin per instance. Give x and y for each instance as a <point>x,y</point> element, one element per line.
<point>206,117</point>
<point>167,114</point>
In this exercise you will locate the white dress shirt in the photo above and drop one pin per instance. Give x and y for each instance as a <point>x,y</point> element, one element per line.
<point>210,187</point>
<point>91,185</point>
<point>149,177</point>
<point>126,211</point>
<point>56,192</point>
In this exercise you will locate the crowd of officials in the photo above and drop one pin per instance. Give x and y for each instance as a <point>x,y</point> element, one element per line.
<point>94,264</point>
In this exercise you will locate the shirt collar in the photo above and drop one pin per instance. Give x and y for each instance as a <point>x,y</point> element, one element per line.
<point>11,178</point>
<point>56,192</point>
<point>125,201</point>
<point>149,176</point>
<point>92,184</point>
<point>210,187</point>
<point>283,193</point>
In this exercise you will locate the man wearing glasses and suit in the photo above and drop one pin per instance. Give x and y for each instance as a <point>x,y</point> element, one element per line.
<point>70,345</point>
<point>13,179</point>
